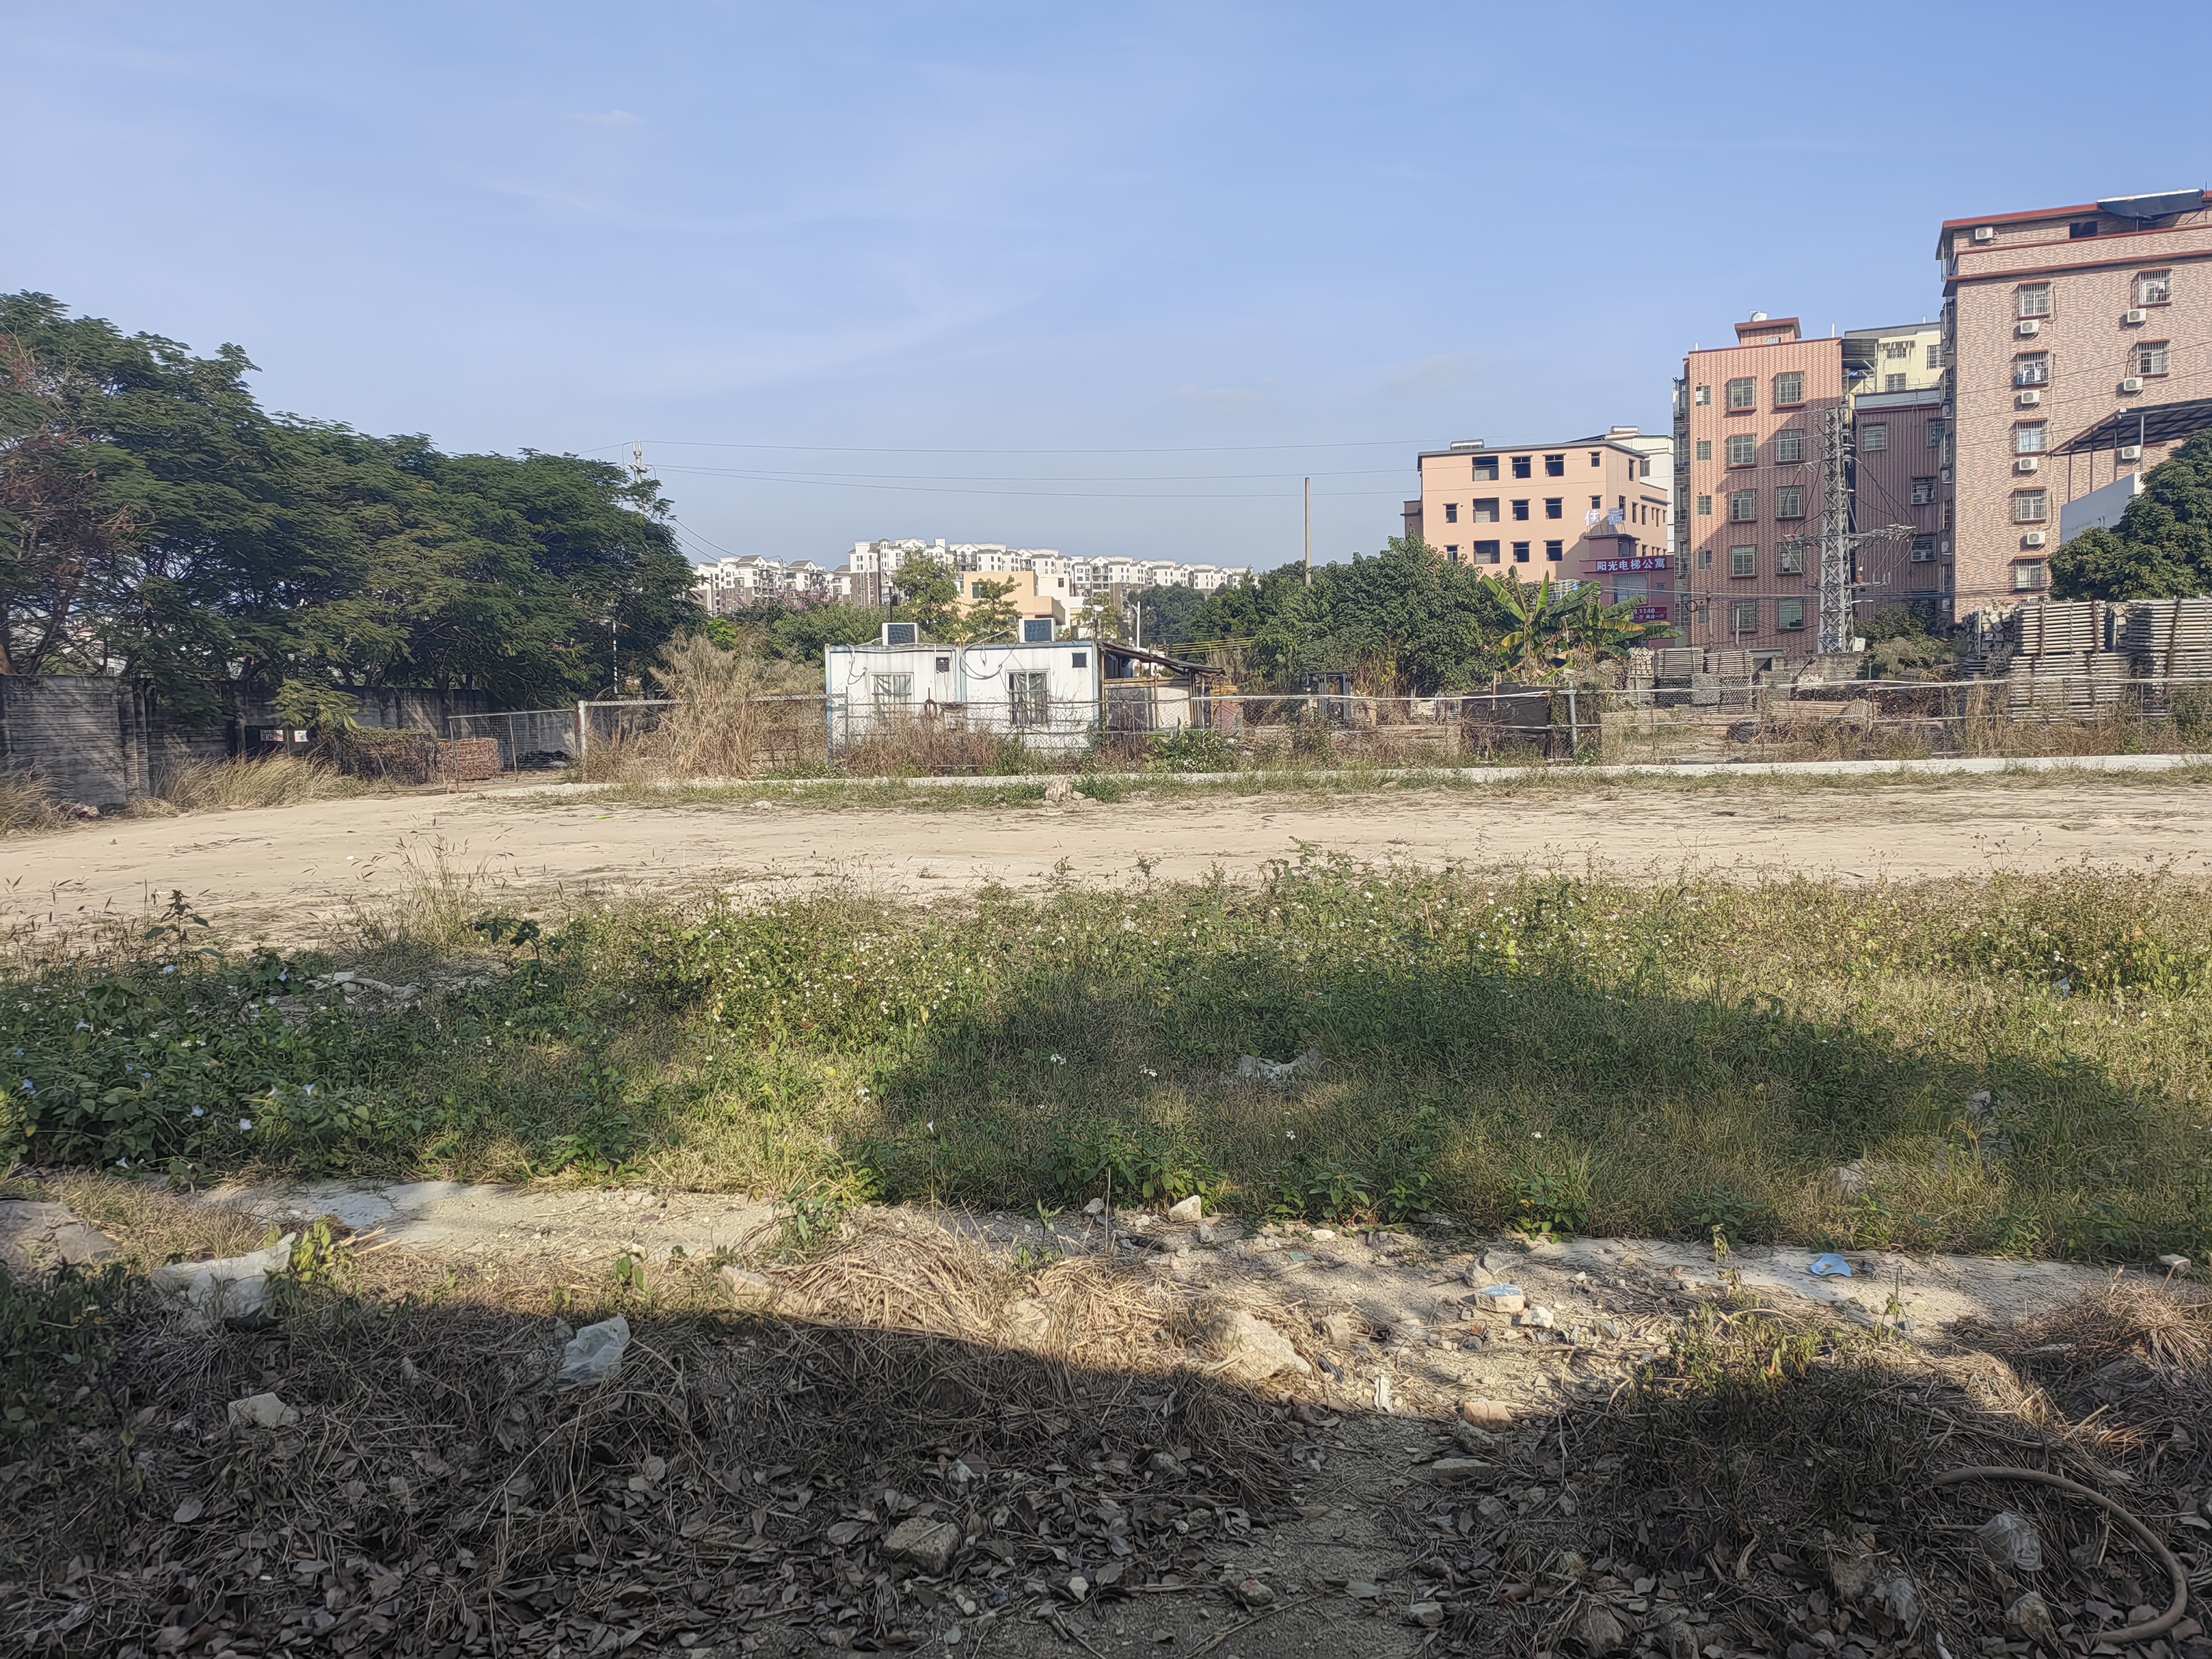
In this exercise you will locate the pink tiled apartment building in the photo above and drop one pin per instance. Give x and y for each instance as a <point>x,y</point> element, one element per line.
<point>2078,342</point>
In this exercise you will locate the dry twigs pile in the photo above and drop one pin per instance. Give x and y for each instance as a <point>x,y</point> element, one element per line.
<point>1769,1488</point>
<point>738,1478</point>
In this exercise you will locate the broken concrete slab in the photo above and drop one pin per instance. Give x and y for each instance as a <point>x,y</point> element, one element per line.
<point>34,1237</point>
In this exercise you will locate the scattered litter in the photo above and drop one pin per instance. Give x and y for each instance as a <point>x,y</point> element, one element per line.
<point>262,1411</point>
<point>594,1353</point>
<point>2011,1540</point>
<point>1251,1068</point>
<point>232,1288</point>
<point>1499,1299</point>
<point>2174,1264</point>
<point>1830,1266</point>
<point>1485,1411</point>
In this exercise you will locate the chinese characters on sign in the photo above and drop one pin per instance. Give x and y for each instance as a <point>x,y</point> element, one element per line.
<point>1650,562</point>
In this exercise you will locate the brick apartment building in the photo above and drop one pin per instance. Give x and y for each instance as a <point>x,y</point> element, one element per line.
<point>2078,346</point>
<point>1750,421</point>
<point>1561,509</point>
<point>1899,432</point>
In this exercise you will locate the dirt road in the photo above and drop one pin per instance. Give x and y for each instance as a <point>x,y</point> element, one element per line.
<point>292,872</point>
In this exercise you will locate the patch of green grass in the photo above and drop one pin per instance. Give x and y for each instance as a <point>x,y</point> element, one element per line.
<point>1580,1055</point>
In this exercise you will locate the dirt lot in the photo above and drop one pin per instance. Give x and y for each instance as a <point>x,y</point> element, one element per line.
<point>288,869</point>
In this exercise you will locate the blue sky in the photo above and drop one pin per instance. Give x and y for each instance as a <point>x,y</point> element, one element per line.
<point>1107,279</point>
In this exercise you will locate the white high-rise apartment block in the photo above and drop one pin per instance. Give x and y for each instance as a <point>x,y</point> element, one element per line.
<point>868,577</point>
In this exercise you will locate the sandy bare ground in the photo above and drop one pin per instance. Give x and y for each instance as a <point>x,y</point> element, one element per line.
<point>296,871</point>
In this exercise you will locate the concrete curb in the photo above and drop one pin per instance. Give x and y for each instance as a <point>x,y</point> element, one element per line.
<point>1863,769</point>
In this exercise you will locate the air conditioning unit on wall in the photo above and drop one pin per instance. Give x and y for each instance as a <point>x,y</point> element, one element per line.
<point>2133,383</point>
<point>2031,325</point>
<point>2131,451</point>
<point>2137,315</point>
<point>2033,538</point>
<point>2027,464</point>
<point>1985,233</point>
<point>2029,400</point>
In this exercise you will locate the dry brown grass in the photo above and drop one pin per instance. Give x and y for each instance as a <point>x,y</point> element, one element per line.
<point>25,808</point>
<point>279,781</point>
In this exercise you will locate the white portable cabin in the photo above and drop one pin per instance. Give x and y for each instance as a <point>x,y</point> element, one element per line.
<point>1050,693</point>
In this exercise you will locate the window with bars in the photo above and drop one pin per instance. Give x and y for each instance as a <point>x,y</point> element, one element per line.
<point>1705,506</point>
<point>893,688</point>
<point>1936,428</point>
<point>2027,577</point>
<point>1934,356</point>
<point>1790,503</point>
<point>2031,505</point>
<point>2034,299</point>
<point>1789,447</point>
<point>1873,438</point>
<point>2029,438</point>
<point>1028,699</point>
<point>2154,287</point>
<point>2031,368</point>
<point>1894,383</point>
<point>1743,616</point>
<point>1892,349</point>
<point>1789,559</point>
<point>1743,561</point>
<point>2150,358</point>
<point>1704,449</point>
<point>1789,614</point>
<point>1923,549</point>
<point>1743,394</point>
<point>1742,449</point>
<point>1743,506</point>
<point>1789,391</point>
<point>1924,491</point>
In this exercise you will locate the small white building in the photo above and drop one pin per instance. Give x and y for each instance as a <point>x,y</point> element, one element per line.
<point>1057,696</point>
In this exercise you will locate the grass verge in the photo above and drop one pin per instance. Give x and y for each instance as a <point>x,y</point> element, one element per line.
<point>2007,1064</point>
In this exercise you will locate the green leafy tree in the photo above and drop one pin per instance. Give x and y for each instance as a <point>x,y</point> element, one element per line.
<point>801,635</point>
<point>926,591</point>
<point>1539,624</point>
<point>2162,547</point>
<point>1168,614</point>
<point>989,614</point>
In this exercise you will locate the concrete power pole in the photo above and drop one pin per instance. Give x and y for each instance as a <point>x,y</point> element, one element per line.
<point>1309,532</point>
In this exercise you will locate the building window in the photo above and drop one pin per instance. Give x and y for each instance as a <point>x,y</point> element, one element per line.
<point>1873,437</point>
<point>1451,551</point>
<point>2027,577</point>
<point>1597,458</point>
<point>2150,358</point>
<point>1485,552</point>
<point>2031,368</point>
<point>2081,227</point>
<point>1555,551</point>
<point>1789,447</point>
<point>1892,349</point>
<point>1789,391</point>
<point>1892,383</point>
<point>1555,507</point>
<point>1924,491</point>
<point>894,688</point>
<point>2029,506</point>
<point>1789,614</point>
<point>1923,549</point>
<point>1555,466</point>
<point>2030,440</point>
<point>1521,466</point>
<point>1743,506</point>
<point>1597,503</point>
<point>1644,467</point>
<point>1742,394</point>
<point>1790,503</point>
<point>1520,552</point>
<point>1451,512</point>
<point>1743,561</point>
<point>1935,356</point>
<point>1705,506</point>
<point>2034,299</point>
<point>1742,449</point>
<point>944,664</point>
<point>1485,469</point>
<point>1704,449</point>
<point>1789,559</point>
<point>1935,431</point>
<point>2154,287</point>
<point>1521,509</point>
<point>1029,699</point>
<point>1743,616</point>
<point>1704,396</point>
<point>1486,512</point>
<point>1704,558</point>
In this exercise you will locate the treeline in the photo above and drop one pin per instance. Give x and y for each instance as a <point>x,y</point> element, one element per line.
<point>156,523</point>
<point>2162,546</point>
<point>1407,622</point>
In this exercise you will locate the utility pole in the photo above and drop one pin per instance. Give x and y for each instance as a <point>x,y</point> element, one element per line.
<point>1309,532</point>
<point>1837,541</point>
